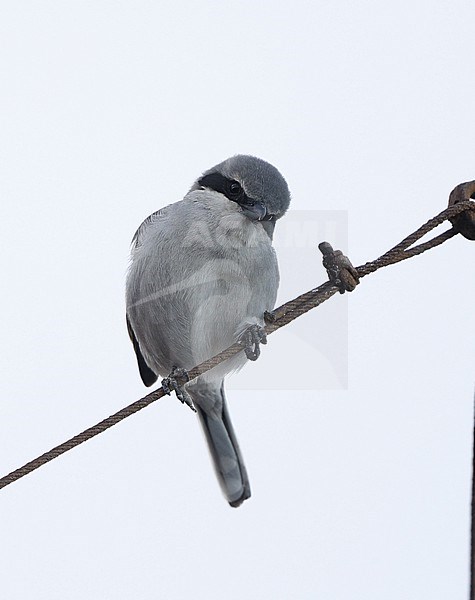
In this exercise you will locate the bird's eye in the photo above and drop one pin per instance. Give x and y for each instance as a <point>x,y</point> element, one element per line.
<point>235,188</point>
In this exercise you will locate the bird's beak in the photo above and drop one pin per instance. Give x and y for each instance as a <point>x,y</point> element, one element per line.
<point>255,211</point>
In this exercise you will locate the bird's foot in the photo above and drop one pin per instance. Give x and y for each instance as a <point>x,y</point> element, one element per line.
<point>339,268</point>
<point>251,339</point>
<point>175,383</point>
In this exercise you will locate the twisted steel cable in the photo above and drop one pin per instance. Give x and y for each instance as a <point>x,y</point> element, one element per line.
<point>281,316</point>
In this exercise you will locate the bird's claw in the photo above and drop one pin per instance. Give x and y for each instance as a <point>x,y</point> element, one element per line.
<point>251,339</point>
<point>339,268</point>
<point>174,383</point>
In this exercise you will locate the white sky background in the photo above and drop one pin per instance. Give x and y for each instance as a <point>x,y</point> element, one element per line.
<point>110,110</point>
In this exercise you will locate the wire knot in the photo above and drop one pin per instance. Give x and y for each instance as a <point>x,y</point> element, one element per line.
<point>464,222</point>
<point>339,268</point>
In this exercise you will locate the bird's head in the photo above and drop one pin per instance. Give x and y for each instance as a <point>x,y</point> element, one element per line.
<point>254,185</point>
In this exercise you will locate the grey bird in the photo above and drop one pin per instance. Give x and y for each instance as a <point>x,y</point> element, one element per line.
<point>203,272</point>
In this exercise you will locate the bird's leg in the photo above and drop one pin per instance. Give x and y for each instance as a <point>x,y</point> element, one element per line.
<point>175,382</point>
<point>339,268</point>
<point>251,339</point>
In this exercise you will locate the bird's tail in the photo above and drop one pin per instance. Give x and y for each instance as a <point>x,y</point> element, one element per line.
<point>210,403</point>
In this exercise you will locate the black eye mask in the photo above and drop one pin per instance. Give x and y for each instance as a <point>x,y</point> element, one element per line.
<point>232,189</point>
